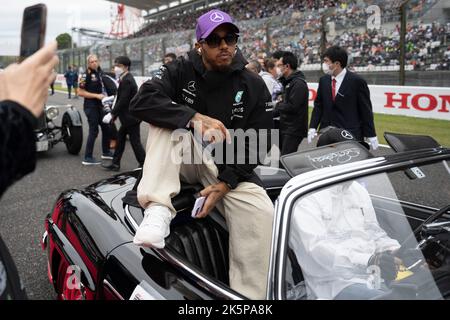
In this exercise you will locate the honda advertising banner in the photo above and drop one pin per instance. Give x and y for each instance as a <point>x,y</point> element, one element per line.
<point>422,102</point>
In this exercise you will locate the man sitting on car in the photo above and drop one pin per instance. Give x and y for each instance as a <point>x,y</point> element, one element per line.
<point>211,91</point>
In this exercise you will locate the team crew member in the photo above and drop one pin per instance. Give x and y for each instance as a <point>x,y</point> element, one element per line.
<point>343,100</point>
<point>129,124</point>
<point>214,91</point>
<point>91,89</point>
<point>293,108</point>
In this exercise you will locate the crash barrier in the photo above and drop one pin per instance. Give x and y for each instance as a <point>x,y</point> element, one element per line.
<point>421,102</point>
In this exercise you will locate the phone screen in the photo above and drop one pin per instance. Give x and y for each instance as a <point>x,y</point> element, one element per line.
<point>33,30</point>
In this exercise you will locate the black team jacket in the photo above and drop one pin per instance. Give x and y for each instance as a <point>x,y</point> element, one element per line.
<point>236,97</point>
<point>17,143</point>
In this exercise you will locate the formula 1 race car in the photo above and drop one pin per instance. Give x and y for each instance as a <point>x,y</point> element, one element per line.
<point>405,196</point>
<point>48,134</point>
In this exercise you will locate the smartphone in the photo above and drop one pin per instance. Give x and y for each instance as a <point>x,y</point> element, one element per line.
<point>34,24</point>
<point>198,206</point>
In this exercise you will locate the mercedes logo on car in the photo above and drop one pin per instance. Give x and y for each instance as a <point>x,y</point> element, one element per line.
<point>346,135</point>
<point>216,17</point>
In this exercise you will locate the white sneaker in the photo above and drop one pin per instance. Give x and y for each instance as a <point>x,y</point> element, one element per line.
<point>154,228</point>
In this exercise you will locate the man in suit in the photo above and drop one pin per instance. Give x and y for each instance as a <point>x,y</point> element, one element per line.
<point>293,107</point>
<point>343,100</point>
<point>129,124</point>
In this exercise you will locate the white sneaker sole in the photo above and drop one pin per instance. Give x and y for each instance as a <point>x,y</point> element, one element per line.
<point>107,158</point>
<point>158,245</point>
<point>90,163</point>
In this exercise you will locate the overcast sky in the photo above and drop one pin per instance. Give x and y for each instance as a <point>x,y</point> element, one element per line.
<point>62,15</point>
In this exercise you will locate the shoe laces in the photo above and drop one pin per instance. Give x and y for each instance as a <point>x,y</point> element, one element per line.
<point>157,219</point>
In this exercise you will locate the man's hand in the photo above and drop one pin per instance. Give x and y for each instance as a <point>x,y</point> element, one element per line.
<point>373,142</point>
<point>213,193</point>
<point>27,83</point>
<point>211,129</point>
<point>108,118</point>
<point>100,96</point>
<point>311,134</point>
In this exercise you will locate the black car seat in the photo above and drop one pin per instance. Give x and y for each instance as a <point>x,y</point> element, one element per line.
<point>203,243</point>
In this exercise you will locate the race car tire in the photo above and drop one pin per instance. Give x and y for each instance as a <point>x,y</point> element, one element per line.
<point>73,135</point>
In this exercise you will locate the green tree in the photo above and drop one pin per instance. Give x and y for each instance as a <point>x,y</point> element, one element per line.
<point>64,41</point>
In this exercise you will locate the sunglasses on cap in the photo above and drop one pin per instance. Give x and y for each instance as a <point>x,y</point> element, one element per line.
<point>214,40</point>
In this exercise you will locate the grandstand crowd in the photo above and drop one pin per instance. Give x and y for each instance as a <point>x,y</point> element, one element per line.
<point>271,25</point>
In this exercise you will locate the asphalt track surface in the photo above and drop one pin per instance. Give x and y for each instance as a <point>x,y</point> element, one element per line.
<point>24,206</point>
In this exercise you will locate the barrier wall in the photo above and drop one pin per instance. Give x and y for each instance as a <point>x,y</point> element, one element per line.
<point>422,102</point>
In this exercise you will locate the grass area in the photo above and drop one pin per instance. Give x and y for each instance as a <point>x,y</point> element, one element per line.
<point>438,129</point>
<point>59,87</point>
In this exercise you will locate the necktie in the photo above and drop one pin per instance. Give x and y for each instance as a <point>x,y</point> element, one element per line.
<point>333,88</point>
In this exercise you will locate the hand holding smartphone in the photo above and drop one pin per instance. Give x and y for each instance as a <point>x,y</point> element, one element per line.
<point>198,206</point>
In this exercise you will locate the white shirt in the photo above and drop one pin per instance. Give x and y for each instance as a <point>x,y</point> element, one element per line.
<point>333,233</point>
<point>339,78</point>
<point>272,84</point>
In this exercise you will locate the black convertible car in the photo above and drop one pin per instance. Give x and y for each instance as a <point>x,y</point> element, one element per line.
<point>89,234</point>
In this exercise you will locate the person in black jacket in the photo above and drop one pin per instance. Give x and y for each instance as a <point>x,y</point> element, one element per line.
<point>343,100</point>
<point>92,89</point>
<point>22,100</point>
<point>212,92</point>
<point>293,107</point>
<point>129,124</point>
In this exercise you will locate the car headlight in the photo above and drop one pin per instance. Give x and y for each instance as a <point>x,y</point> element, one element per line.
<point>51,112</point>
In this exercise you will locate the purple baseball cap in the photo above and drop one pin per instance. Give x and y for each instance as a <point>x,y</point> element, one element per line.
<point>210,21</point>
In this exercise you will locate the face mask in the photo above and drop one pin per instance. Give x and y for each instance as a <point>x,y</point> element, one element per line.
<point>118,71</point>
<point>326,69</point>
<point>279,73</point>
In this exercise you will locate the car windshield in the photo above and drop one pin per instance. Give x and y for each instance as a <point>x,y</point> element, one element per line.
<point>356,239</point>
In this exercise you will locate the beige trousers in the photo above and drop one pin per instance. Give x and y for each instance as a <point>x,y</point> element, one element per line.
<point>247,209</point>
